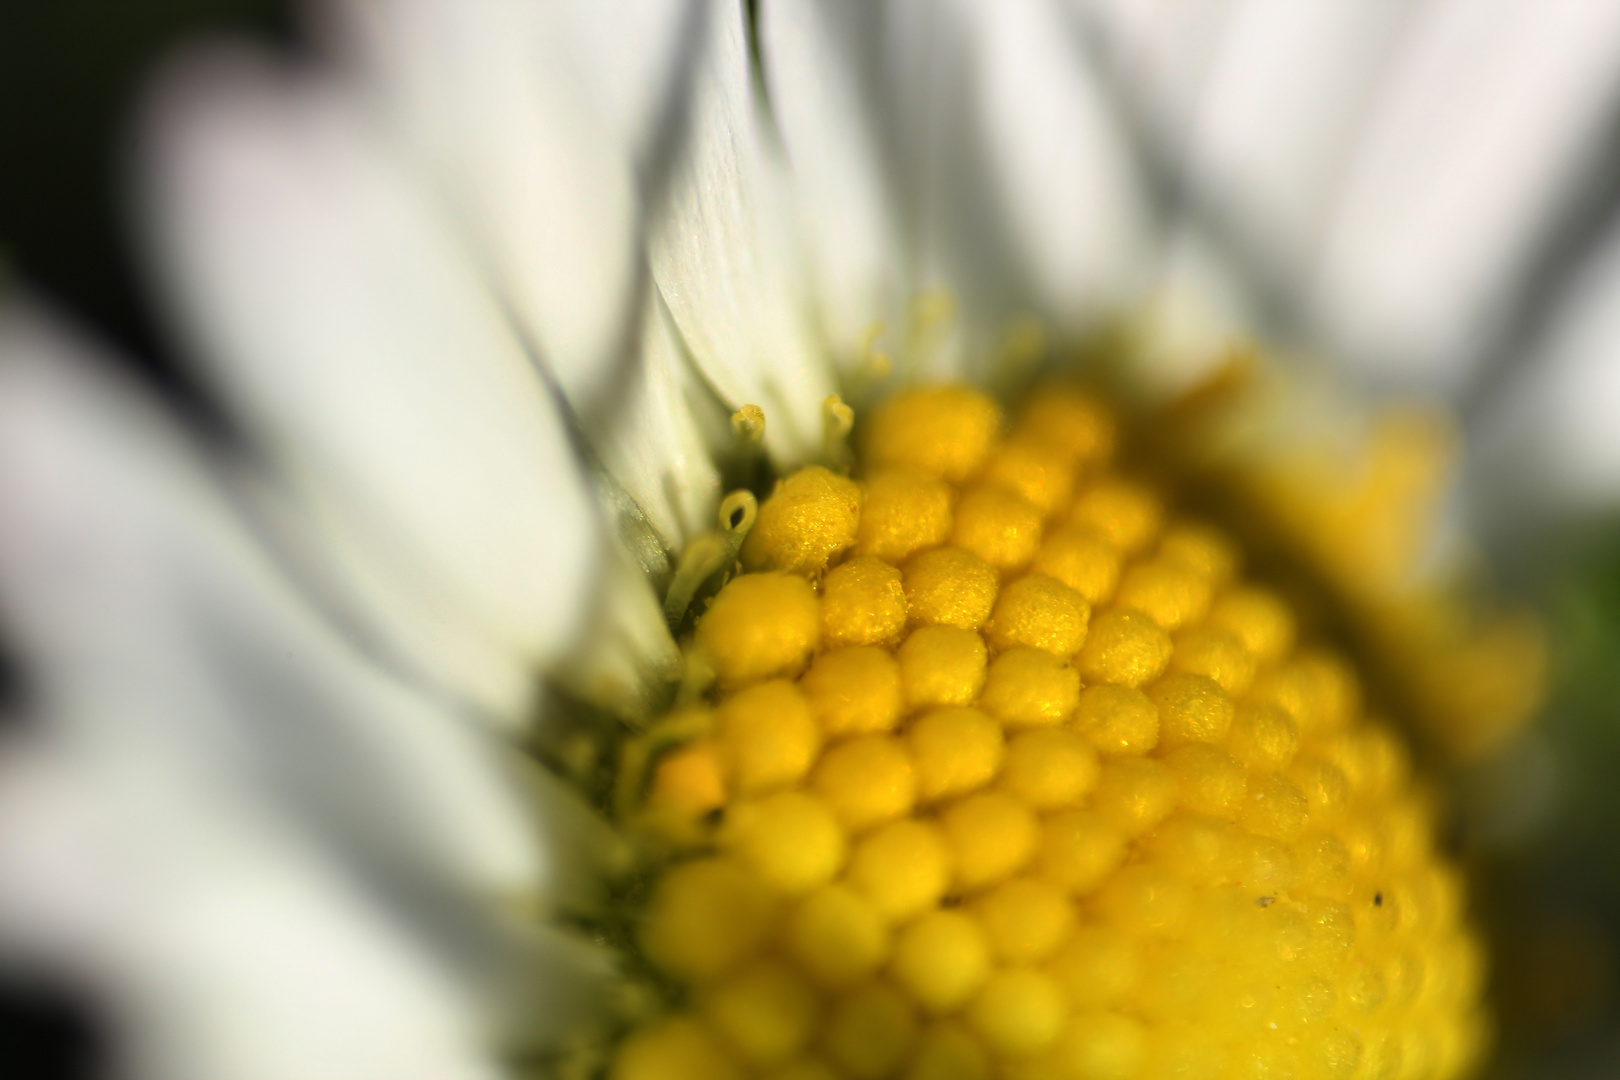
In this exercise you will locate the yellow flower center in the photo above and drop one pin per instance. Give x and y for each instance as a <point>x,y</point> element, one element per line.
<point>1007,771</point>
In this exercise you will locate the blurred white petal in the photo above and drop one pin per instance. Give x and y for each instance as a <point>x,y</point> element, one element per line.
<point>624,658</point>
<point>532,116</point>
<point>830,138</point>
<point>652,444</point>
<point>1017,192</point>
<point>1072,197</point>
<point>1489,112</point>
<point>346,326</point>
<point>1278,116</point>
<point>659,487</point>
<point>955,227</point>
<point>220,944</point>
<point>1550,441</point>
<point>1163,51</point>
<point>152,626</point>
<point>724,256</point>
<point>214,755</point>
<point>1198,308</point>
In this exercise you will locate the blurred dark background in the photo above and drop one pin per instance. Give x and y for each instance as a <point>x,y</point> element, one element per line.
<point>69,73</point>
<point>1544,838</point>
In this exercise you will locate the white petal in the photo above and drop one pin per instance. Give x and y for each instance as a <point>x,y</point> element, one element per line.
<point>1279,115</point>
<point>532,116</point>
<point>723,255</point>
<point>659,486</point>
<point>349,330</point>
<point>1490,111</point>
<point>652,444</point>
<point>1017,195</point>
<point>1197,310</point>
<point>1071,193</point>
<point>831,140</point>
<point>153,628</point>
<point>1549,442</point>
<point>624,658</point>
<point>955,231</point>
<point>222,946</point>
<point>1162,52</point>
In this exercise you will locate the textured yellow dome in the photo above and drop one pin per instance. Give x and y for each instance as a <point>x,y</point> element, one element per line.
<point>1005,770</point>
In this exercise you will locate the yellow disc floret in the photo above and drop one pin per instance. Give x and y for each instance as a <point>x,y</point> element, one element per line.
<point>949,586</point>
<point>854,691</point>
<point>836,937</point>
<point>1040,612</point>
<point>941,665</point>
<point>1083,560</point>
<point>867,780</point>
<point>1032,470</point>
<point>790,839</point>
<point>1050,768</point>
<point>1027,687</point>
<point>760,625</point>
<point>1125,647</point>
<point>955,750</point>
<point>946,431</point>
<point>1000,526</point>
<point>1005,770</point>
<point>902,868</point>
<point>906,510</point>
<point>1070,423</point>
<point>765,1013</point>
<point>862,603</point>
<point>675,1049</point>
<point>812,516</point>
<point>766,736</point>
<point>942,959</point>
<point>1127,514</point>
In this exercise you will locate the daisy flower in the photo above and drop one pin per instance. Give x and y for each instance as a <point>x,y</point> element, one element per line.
<point>801,540</point>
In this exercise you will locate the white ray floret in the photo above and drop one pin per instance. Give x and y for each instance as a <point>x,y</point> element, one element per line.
<point>343,322</point>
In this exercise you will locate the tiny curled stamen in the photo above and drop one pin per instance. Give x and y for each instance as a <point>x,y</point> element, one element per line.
<point>873,362</point>
<point>639,754</point>
<point>710,553</point>
<point>748,425</point>
<point>837,420</point>
<point>737,513</point>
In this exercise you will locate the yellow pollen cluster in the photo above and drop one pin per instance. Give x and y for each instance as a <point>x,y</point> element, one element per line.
<point>1007,772</point>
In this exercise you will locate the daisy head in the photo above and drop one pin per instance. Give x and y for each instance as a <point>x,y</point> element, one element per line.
<point>783,540</point>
